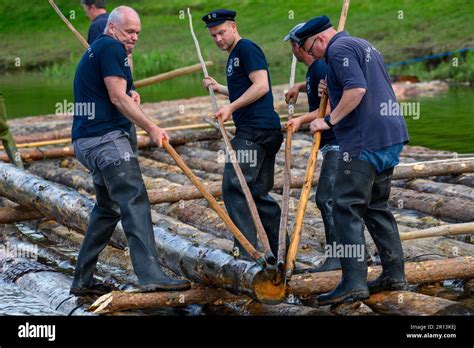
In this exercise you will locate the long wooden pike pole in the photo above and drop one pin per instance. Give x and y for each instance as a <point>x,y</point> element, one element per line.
<point>69,25</point>
<point>305,192</point>
<point>286,177</point>
<point>214,205</point>
<point>269,257</point>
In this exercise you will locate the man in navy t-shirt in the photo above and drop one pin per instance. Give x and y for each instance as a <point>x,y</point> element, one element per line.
<point>370,145</point>
<point>96,12</point>
<point>101,132</point>
<point>329,146</point>
<point>258,134</point>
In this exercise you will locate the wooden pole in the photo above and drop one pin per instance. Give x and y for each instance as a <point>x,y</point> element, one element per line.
<point>69,25</point>
<point>286,177</point>
<point>170,75</point>
<point>305,193</point>
<point>269,257</point>
<point>214,205</point>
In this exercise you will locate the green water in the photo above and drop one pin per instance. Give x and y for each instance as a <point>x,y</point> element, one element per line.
<point>445,121</point>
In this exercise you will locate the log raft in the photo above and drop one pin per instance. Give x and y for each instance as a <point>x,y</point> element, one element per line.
<point>430,200</point>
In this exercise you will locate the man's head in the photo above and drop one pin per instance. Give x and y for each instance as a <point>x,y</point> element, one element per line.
<point>314,37</point>
<point>222,27</point>
<point>298,51</point>
<point>93,8</point>
<point>124,25</point>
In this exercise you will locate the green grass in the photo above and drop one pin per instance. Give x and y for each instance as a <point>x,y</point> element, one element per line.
<point>42,40</point>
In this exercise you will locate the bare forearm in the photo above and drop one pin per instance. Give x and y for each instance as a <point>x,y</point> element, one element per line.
<point>223,90</point>
<point>134,113</point>
<point>302,87</point>
<point>350,100</point>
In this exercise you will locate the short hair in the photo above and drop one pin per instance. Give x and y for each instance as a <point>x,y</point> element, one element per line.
<point>97,3</point>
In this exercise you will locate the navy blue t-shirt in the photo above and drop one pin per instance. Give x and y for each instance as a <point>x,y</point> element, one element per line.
<point>356,63</point>
<point>245,58</point>
<point>106,57</point>
<point>317,72</point>
<point>97,27</point>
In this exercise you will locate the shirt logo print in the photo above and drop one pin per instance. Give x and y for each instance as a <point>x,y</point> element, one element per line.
<point>308,85</point>
<point>230,69</point>
<point>126,62</point>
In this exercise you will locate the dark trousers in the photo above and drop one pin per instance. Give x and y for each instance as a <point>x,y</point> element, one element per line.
<point>256,150</point>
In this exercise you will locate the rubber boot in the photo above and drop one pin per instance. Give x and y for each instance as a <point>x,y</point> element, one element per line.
<point>126,188</point>
<point>324,193</point>
<point>102,222</point>
<point>352,191</point>
<point>384,231</point>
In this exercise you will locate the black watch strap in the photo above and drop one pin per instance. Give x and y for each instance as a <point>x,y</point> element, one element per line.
<point>327,119</point>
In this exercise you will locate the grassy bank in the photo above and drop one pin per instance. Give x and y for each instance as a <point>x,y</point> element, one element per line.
<point>400,29</point>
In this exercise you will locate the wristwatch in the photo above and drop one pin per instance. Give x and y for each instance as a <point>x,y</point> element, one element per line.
<point>327,119</point>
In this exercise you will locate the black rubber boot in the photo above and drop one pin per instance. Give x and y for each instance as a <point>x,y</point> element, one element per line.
<point>352,190</point>
<point>259,177</point>
<point>102,221</point>
<point>126,188</point>
<point>324,193</point>
<point>384,231</point>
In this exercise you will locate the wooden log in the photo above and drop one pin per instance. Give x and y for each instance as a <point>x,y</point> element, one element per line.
<point>62,204</point>
<point>76,179</point>
<point>9,215</point>
<point>410,303</point>
<point>445,230</point>
<point>433,204</point>
<point>465,179</point>
<point>119,301</point>
<point>43,281</point>
<point>170,75</point>
<point>450,190</point>
<point>424,272</point>
<point>433,168</point>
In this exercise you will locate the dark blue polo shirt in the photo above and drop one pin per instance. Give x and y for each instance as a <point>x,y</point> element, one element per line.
<point>245,58</point>
<point>105,57</point>
<point>97,27</point>
<point>317,72</point>
<point>355,63</point>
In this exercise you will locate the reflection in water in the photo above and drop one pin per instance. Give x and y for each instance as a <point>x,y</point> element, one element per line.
<point>14,301</point>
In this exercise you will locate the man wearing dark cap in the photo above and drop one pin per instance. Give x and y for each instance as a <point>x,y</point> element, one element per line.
<point>258,133</point>
<point>370,145</point>
<point>329,146</point>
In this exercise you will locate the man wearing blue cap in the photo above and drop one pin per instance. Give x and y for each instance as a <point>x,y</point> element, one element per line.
<point>258,130</point>
<point>329,146</point>
<point>370,145</point>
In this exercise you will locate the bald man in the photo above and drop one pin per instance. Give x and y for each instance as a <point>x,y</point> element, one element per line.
<point>103,141</point>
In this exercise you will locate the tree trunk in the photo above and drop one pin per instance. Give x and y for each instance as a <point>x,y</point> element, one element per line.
<point>451,190</point>
<point>416,272</point>
<point>432,204</point>
<point>9,215</point>
<point>411,303</point>
<point>76,179</point>
<point>433,168</point>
